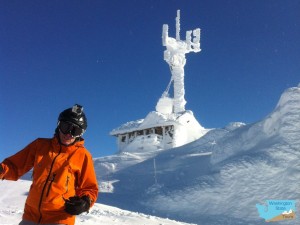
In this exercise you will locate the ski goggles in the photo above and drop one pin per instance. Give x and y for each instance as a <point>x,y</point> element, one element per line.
<point>70,128</point>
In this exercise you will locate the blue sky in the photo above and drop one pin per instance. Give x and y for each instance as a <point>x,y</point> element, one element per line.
<point>108,56</point>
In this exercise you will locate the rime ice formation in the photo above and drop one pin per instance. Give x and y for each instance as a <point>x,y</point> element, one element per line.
<point>170,125</point>
<point>174,55</point>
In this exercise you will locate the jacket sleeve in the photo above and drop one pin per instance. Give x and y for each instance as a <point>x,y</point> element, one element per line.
<point>17,165</point>
<point>88,184</point>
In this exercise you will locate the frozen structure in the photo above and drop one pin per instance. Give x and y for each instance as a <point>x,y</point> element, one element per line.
<point>170,125</point>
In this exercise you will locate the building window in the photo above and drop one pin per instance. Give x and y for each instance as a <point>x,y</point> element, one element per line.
<point>169,130</point>
<point>158,130</point>
<point>123,138</point>
<point>149,131</point>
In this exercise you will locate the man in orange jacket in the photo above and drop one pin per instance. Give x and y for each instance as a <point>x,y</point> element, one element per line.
<point>64,182</point>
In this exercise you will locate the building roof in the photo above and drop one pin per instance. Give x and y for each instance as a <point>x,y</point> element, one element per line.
<point>153,119</point>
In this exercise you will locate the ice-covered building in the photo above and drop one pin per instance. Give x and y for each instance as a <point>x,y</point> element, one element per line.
<point>171,125</point>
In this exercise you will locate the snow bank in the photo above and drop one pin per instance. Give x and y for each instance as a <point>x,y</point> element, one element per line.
<point>284,122</point>
<point>282,125</point>
<point>13,195</point>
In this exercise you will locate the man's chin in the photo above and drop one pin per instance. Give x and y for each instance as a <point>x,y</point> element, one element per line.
<point>68,141</point>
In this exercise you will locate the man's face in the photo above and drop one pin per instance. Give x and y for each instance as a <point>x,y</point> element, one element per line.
<point>66,139</point>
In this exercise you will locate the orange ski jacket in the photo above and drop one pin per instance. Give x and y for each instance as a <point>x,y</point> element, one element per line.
<point>59,172</point>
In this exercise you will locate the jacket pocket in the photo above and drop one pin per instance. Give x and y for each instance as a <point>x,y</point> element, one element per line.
<point>67,184</point>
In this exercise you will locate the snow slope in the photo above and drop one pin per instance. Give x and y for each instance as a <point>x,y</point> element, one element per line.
<point>13,196</point>
<point>217,179</point>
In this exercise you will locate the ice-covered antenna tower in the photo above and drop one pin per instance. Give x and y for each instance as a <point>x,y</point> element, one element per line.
<point>170,125</point>
<point>174,55</point>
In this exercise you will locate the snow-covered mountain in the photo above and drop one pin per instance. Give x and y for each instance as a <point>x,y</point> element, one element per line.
<point>217,179</point>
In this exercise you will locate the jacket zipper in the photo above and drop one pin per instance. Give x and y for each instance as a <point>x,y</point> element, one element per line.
<point>44,187</point>
<point>51,181</point>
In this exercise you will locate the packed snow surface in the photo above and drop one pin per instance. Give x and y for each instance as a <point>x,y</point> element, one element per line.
<point>13,196</point>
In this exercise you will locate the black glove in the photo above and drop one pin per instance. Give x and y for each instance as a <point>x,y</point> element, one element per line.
<point>76,205</point>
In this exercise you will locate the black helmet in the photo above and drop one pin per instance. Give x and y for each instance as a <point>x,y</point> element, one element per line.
<point>74,115</point>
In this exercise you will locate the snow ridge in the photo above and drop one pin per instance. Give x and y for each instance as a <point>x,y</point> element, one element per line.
<point>282,124</point>
<point>219,178</point>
